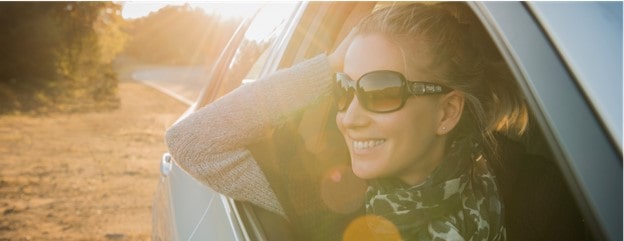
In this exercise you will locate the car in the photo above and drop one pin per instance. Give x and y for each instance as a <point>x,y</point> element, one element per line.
<point>566,58</point>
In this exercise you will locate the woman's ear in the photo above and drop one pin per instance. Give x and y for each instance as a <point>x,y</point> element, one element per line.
<point>452,105</point>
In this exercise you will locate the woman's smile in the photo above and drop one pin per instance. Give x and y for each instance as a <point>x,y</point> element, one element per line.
<point>367,144</point>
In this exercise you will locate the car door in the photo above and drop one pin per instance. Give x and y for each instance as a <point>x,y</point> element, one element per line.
<point>183,208</point>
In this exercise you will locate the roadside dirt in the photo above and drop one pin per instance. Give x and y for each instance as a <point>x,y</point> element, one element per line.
<point>84,176</point>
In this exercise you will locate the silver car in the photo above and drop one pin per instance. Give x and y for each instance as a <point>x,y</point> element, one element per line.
<point>566,58</point>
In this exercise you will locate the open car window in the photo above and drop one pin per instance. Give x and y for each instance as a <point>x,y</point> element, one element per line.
<point>243,62</point>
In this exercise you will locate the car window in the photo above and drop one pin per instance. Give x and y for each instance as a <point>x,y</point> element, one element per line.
<point>252,50</point>
<point>326,24</point>
<point>253,54</point>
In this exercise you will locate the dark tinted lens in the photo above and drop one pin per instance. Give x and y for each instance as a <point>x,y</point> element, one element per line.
<point>381,91</point>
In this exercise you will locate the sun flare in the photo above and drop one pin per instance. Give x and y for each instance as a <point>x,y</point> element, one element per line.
<point>138,9</point>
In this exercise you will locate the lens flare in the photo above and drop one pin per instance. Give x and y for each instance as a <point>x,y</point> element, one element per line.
<point>373,228</point>
<point>342,191</point>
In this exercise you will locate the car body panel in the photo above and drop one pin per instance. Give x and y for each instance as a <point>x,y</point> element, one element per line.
<point>186,209</point>
<point>590,162</point>
<point>199,211</point>
<point>594,57</point>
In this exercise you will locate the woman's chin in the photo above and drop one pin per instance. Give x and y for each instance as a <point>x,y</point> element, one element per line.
<point>363,171</point>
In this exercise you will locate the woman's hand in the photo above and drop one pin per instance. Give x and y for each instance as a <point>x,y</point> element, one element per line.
<point>336,58</point>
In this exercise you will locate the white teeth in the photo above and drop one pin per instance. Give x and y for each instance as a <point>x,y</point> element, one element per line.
<point>367,144</point>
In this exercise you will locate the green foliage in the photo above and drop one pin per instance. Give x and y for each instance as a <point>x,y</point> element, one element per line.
<point>179,35</point>
<point>57,55</point>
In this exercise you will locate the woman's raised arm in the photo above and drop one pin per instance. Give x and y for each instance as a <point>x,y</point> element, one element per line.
<point>211,144</point>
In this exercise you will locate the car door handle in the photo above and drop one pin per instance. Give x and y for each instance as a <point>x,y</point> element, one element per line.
<point>166,164</point>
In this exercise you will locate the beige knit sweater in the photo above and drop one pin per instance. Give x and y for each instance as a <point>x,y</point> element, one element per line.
<point>211,143</point>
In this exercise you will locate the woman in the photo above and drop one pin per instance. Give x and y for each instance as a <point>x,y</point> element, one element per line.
<point>415,91</point>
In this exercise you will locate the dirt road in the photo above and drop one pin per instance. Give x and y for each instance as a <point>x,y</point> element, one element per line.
<point>84,176</point>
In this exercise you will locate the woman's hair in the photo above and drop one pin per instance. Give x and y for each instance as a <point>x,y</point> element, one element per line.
<point>463,58</point>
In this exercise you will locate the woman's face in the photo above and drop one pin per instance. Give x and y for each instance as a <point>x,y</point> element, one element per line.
<point>403,143</point>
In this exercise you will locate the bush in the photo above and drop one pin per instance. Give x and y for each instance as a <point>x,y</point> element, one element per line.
<point>57,55</point>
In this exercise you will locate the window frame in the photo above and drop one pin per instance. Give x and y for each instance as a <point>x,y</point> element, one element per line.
<point>288,52</point>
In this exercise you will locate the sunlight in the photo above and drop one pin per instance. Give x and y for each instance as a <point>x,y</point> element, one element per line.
<point>229,9</point>
<point>371,227</point>
<point>196,32</point>
<point>138,9</point>
<point>267,20</point>
<point>132,10</point>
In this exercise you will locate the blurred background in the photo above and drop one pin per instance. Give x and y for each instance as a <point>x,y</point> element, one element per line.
<point>59,55</point>
<point>81,130</point>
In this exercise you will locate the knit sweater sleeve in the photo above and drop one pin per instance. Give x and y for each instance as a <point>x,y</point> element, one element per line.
<point>210,144</point>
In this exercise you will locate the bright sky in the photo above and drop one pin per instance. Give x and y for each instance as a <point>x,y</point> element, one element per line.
<point>137,9</point>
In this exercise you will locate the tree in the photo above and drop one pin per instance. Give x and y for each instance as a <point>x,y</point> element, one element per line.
<point>58,55</point>
<point>179,35</point>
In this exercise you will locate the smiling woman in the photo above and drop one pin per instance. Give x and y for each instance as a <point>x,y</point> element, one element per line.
<point>426,155</point>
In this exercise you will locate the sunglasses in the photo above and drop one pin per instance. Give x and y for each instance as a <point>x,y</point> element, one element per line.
<point>381,91</point>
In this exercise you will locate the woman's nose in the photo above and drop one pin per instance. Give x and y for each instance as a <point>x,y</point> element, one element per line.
<point>355,115</point>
